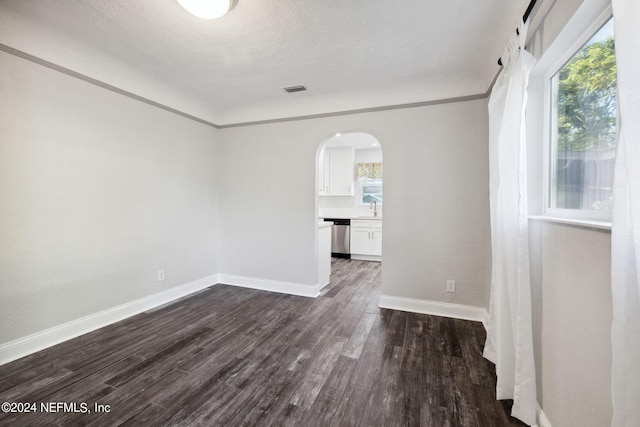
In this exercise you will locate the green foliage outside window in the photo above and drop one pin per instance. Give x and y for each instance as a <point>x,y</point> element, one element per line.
<point>587,99</point>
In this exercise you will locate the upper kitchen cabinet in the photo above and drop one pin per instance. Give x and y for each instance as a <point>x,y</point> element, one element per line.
<point>336,172</point>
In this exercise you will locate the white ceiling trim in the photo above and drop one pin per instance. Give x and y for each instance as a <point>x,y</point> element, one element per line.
<point>90,80</point>
<point>47,64</point>
<point>361,110</point>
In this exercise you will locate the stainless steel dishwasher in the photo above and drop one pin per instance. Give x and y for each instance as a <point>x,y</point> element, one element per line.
<point>340,237</point>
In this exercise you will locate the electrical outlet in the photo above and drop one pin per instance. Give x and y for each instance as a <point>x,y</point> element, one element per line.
<point>451,285</point>
<point>160,275</point>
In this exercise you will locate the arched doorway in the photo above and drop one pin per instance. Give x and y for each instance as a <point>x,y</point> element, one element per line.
<point>349,182</point>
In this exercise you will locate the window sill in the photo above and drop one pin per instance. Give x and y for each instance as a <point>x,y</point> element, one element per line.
<point>600,225</point>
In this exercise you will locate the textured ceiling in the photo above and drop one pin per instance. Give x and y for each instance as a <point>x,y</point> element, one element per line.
<point>350,54</point>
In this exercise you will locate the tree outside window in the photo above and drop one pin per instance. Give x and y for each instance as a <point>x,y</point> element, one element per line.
<point>585,142</point>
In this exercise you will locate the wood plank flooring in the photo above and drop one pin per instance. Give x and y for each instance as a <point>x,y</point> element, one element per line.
<point>230,356</point>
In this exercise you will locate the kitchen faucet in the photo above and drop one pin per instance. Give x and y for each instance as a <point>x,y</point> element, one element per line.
<point>373,205</point>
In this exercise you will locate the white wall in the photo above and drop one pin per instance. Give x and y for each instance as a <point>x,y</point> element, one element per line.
<point>97,193</point>
<point>370,155</point>
<point>436,223</point>
<point>571,270</point>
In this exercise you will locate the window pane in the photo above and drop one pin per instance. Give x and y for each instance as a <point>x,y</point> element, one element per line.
<point>583,155</point>
<point>372,191</point>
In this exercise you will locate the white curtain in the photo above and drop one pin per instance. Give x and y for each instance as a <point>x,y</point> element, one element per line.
<point>509,331</point>
<point>625,234</point>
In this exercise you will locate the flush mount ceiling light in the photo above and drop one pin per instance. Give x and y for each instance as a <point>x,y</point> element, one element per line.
<point>208,9</point>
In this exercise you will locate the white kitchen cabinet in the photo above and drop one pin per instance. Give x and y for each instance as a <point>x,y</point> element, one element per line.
<point>360,240</point>
<point>336,172</point>
<point>376,241</point>
<point>366,237</point>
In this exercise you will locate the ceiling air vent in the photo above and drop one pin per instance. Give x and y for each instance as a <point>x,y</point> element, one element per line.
<point>292,89</point>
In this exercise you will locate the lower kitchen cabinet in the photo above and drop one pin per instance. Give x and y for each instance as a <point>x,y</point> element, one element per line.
<point>366,237</point>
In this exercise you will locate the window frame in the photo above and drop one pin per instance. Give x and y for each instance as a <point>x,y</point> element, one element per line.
<point>550,128</point>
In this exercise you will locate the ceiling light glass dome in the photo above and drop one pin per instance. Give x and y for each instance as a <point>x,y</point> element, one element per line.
<point>208,9</point>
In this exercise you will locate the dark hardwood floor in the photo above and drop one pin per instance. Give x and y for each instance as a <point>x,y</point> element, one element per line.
<point>241,357</point>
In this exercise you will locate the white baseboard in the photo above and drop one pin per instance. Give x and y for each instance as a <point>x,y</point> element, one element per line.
<point>49,337</point>
<point>375,258</point>
<point>541,418</point>
<point>456,311</point>
<point>311,291</point>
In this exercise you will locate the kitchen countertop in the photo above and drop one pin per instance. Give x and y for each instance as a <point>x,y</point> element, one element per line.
<point>363,217</point>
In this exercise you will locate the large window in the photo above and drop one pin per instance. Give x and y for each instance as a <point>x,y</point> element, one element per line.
<point>583,130</point>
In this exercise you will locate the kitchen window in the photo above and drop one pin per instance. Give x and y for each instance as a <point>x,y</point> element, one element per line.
<point>582,140</point>
<point>369,176</point>
<point>371,191</point>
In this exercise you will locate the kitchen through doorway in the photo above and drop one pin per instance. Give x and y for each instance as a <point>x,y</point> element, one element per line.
<point>349,194</point>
